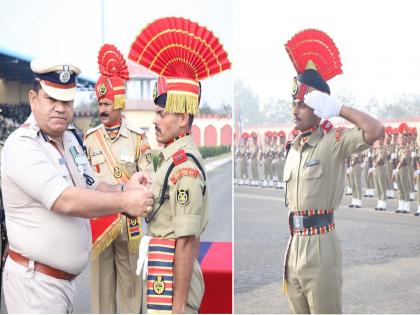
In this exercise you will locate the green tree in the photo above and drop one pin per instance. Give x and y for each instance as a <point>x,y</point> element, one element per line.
<point>247,110</point>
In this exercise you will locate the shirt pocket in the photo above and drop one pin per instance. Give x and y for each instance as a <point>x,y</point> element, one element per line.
<point>98,165</point>
<point>312,176</point>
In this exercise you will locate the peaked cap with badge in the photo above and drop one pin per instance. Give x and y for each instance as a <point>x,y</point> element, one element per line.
<point>57,79</point>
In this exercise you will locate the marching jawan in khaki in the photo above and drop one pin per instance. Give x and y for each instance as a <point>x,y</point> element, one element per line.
<point>404,159</point>
<point>314,173</point>
<point>368,178</point>
<point>356,176</point>
<point>116,266</point>
<point>177,219</point>
<point>243,161</point>
<point>254,150</point>
<point>268,161</point>
<point>379,172</point>
<point>390,149</point>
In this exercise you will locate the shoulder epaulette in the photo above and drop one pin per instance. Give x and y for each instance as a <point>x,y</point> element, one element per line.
<point>137,130</point>
<point>327,126</point>
<point>91,130</point>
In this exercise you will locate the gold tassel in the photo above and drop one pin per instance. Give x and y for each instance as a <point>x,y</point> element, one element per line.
<point>181,103</point>
<point>119,101</point>
<point>106,240</point>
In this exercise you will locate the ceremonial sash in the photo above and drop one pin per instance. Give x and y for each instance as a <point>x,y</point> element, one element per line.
<point>106,229</point>
<point>160,268</point>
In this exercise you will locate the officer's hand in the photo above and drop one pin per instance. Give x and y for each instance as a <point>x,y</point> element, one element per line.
<point>139,180</point>
<point>324,106</point>
<point>137,203</point>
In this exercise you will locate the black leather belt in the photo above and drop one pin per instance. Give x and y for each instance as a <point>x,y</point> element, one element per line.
<point>299,222</point>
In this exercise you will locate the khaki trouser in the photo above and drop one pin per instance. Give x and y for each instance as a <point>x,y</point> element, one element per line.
<point>195,295</point>
<point>243,173</point>
<point>314,274</point>
<point>30,292</point>
<point>381,181</point>
<point>389,175</point>
<point>254,167</point>
<point>268,168</point>
<point>356,181</point>
<point>115,268</point>
<point>368,179</point>
<point>404,184</point>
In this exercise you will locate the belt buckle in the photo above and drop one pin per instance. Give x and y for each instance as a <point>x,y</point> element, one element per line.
<point>298,222</point>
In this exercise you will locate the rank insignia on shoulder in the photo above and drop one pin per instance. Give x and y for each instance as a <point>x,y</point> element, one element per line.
<point>179,157</point>
<point>186,171</point>
<point>159,285</point>
<point>149,157</point>
<point>327,126</point>
<point>183,196</point>
<point>339,132</point>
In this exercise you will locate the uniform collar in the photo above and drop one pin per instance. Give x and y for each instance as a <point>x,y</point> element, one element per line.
<point>175,146</point>
<point>313,140</point>
<point>123,129</point>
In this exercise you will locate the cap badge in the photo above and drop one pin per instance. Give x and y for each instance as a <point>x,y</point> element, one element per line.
<point>102,89</point>
<point>65,74</point>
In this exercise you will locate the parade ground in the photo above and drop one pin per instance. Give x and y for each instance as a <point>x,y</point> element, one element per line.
<point>380,252</point>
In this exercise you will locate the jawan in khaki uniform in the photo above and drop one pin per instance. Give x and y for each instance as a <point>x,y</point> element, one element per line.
<point>379,156</point>
<point>314,175</point>
<point>184,211</point>
<point>118,261</point>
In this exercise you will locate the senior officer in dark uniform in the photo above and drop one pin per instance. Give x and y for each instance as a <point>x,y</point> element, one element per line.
<point>314,175</point>
<point>115,150</point>
<point>180,214</point>
<point>49,191</point>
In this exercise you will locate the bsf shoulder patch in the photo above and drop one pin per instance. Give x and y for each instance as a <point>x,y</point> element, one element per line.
<point>183,196</point>
<point>186,171</point>
<point>339,132</point>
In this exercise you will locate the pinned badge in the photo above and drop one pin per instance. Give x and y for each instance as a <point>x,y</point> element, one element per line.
<point>117,172</point>
<point>65,74</point>
<point>159,285</point>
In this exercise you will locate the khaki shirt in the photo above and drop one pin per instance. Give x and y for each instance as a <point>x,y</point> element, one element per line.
<point>34,175</point>
<point>403,155</point>
<point>130,149</point>
<point>185,209</point>
<point>253,150</point>
<point>380,155</point>
<point>314,172</point>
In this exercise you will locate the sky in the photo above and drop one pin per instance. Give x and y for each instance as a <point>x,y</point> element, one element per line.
<point>379,44</point>
<point>72,31</point>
